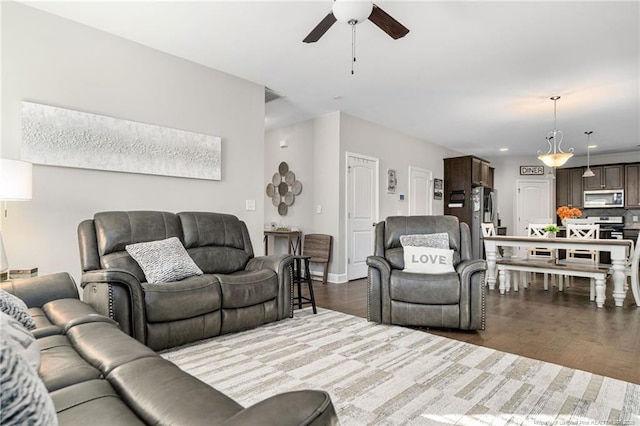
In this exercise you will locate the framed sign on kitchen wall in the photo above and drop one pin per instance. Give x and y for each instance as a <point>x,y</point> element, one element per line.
<point>532,170</point>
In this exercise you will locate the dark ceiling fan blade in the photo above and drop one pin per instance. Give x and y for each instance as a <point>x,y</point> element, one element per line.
<point>387,24</point>
<point>320,29</point>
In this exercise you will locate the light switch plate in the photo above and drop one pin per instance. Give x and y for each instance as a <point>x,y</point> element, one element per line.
<point>250,205</point>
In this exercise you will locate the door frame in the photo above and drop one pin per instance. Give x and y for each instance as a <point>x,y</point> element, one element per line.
<point>429,190</point>
<point>376,200</point>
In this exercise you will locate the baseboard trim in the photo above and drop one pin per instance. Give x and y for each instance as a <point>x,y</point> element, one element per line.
<point>331,278</point>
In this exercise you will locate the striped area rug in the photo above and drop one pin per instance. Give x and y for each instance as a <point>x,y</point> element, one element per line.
<point>389,375</point>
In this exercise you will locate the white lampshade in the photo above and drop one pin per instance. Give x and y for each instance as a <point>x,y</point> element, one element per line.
<point>348,11</point>
<point>555,160</point>
<point>15,180</point>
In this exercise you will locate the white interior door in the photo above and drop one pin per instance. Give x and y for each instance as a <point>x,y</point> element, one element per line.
<point>420,184</point>
<point>362,212</point>
<point>533,202</point>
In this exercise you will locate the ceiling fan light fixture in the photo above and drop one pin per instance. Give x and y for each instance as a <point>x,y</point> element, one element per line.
<point>555,157</point>
<point>352,12</point>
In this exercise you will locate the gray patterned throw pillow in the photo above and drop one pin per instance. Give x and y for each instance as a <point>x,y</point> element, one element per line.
<point>164,260</point>
<point>14,332</point>
<point>438,240</point>
<point>16,308</point>
<point>24,400</point>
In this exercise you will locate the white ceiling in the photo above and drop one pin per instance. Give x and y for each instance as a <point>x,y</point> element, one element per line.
<point>474,76</point>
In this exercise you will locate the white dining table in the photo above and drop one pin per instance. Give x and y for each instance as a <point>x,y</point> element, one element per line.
<point>617,248</point>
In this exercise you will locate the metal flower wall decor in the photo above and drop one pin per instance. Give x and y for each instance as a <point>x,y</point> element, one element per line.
<point>283,188</point>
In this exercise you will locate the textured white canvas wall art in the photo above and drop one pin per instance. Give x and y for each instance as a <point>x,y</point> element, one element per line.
<point>63,137</point>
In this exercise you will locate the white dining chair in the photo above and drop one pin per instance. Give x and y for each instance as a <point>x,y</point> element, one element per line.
<point>589,257</point>
<point>632,271</point>
<point>489,230</point>
<point>540,253</point>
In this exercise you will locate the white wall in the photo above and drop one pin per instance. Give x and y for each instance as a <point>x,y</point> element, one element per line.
<point>313,155</point>
<point>395,151</point>
<point>322,144</point>
<point>53,61</point>
<point>298,156</point>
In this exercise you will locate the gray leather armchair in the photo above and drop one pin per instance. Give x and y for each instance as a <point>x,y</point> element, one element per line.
<point>449,300</point>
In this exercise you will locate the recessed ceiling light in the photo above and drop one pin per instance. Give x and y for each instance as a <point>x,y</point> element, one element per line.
<point>504,149</point>
<point>592,146</point>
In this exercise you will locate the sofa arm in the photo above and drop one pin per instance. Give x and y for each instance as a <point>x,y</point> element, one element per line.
<point>468,267</point>
<point>274,262</point>
<point>305,407</point>
<point>37,291</point>
<point>379,299</point>
<point>118,294</point>
<point>472,294</point>
<point>283,266</point>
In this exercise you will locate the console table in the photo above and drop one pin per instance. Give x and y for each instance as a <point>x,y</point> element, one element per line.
<point>293,240</point>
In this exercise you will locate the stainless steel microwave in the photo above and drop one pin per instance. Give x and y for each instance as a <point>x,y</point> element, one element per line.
<point>604,198</point>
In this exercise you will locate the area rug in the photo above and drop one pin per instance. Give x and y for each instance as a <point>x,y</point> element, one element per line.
<point>390,375</point>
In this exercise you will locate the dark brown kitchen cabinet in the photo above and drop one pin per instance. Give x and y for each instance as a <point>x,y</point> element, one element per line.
<point>480,173</point>
<point>632,186</point>
<point>461,174</point>
<point>605,177</point>
<point>569,187</point>
<point>490,180</point>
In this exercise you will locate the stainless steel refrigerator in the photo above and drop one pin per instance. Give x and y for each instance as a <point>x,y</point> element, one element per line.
<point>484,206</point>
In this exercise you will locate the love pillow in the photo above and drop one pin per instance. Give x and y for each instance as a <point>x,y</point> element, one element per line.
<point>428,260</point>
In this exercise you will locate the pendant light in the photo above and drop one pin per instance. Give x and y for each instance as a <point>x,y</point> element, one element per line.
<point>555,157</point>
<point>588,173</point>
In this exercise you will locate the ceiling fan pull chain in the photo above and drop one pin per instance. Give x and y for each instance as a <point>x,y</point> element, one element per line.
<point>353,46</point>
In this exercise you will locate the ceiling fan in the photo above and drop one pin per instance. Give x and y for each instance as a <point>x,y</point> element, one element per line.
<point>354,12</point>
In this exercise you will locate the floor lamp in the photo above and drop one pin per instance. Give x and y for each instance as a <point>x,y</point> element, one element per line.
<point>15,185</point>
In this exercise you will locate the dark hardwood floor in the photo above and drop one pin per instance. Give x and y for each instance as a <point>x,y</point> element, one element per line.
<point>560,327</point>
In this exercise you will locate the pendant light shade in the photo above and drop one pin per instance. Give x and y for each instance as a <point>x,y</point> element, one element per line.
<point>588,173</point>
<point>555,157</point>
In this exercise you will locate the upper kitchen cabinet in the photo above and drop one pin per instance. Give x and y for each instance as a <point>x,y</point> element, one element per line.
<point>605,177</point>
<point>632,186</point>
<point>569,187</point>
<point>480,173</point>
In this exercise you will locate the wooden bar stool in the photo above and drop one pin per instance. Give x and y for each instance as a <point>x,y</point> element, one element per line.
<point>299,278</point>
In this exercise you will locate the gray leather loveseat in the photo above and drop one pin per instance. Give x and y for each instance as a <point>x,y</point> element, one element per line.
<point>91,373</point>
<point>429,298</point>
<point>235,291</point>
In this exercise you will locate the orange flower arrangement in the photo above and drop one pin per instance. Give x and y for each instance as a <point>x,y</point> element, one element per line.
<point>565,212</point>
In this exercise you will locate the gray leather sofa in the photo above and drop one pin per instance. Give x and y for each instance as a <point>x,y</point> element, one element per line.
<point>449,300</point>
<point>97,375</point>
<point>237,290</point>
